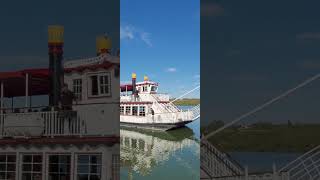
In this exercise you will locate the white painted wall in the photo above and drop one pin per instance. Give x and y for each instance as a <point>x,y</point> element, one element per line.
<point>45,150</point>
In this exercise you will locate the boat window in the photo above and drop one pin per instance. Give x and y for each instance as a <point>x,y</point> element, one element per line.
<point>154,88</point>
<point>100,85</point>
<point>89,167</point>
<point>128,110</point>
<point>145,88</point>
<point>134,110</point>
<point>121,109</point>
<point>94,85</point>
<point>32,166</point>
<point>104,85</point>
<point>77,88</point>
<point>59,166</point>
<point>7,166</point>
<point>142,111</point>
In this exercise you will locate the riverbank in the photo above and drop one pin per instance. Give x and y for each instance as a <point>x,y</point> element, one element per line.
<point>187,102</point>
<point>268,138</point>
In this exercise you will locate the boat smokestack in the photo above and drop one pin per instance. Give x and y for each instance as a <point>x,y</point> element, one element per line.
<point>55,47</point>
<point>134,78</point>
<point>145,78</point>
<point>103,45</point>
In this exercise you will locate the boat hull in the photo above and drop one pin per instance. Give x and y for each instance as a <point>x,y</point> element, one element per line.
<point>155,126</point>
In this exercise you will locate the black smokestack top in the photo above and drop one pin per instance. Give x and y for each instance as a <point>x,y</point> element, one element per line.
<point>55,46</point>
<point>134,90</point>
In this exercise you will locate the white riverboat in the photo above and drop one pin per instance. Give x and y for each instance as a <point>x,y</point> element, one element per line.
<point>141,106</point>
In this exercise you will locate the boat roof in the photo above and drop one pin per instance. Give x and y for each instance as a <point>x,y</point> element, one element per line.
<point>14,81</point>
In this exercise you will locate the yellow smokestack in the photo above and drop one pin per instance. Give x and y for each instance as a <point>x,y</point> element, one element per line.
<point>55,34</point>
<point>134,76</point>
<point>103,44</point>
<point>145,78</point>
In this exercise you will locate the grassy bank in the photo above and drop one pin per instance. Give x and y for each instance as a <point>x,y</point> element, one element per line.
<point>187,102</point>
<point>269,138</point>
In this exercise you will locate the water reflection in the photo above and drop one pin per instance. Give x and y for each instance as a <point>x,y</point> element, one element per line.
<point>143,151</point>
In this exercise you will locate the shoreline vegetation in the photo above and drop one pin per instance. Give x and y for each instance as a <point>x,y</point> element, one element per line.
<point>265,137</point>
<point>187,102</point>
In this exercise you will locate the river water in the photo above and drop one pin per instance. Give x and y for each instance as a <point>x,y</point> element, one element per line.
<point>161,155</point>
<point>263,161</point>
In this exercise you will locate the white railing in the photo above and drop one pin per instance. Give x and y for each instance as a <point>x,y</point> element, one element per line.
<point>262,176</point>
<point>82,61</point>
<point>195,112</point>
<point>219,166</point>
<point>162,96</point>
<point>216,163</point>
<point>166,107</point>
<point>62,123</point>
<point>163,108</point>
<point>50,123</point>
<point>307,166</point>
<point>69,63</point>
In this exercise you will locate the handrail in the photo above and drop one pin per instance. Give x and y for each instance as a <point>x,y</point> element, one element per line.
<point>155,100</point>
<point>233,166</point>
<point>299,158</point>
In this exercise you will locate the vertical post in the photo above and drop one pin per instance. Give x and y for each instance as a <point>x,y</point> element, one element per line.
<point>274,169</point>
<point>12,104</point>
<point>1,111</point>
<point>246,173</point>
<point>27,92</point>
<point>2,95</point>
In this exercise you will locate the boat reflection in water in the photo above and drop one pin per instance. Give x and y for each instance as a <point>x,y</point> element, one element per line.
<point>158,155</point>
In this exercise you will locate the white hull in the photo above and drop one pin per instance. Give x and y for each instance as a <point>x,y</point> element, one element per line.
<point>164,121</point>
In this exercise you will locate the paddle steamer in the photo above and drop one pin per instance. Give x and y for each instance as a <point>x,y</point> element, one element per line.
<point>141,106</point>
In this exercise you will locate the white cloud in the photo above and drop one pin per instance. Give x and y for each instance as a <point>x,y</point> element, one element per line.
<point>171,69</point>
<point>145,37</point>
<point>126,32</point>
<point>130,32</point>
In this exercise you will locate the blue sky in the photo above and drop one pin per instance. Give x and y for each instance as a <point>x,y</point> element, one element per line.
<point>255,50</point>
<point>161,39</point>
<point>23,32</point>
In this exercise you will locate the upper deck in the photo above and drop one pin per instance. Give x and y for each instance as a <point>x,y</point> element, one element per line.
<point>147,91</point>
<point>95,83</point>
